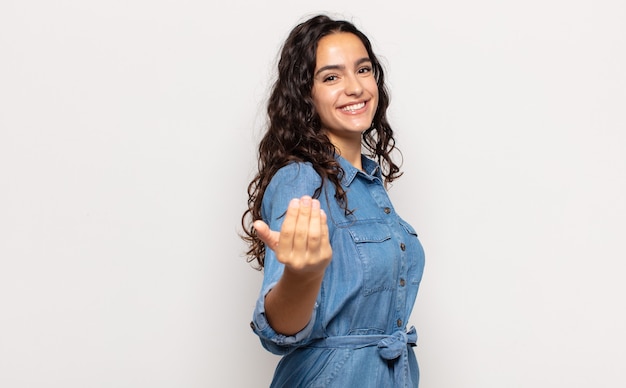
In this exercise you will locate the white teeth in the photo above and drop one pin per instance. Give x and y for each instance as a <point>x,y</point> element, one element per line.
<point>354,107</point>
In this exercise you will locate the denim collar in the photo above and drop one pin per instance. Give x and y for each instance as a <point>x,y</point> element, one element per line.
<point>371,170</point>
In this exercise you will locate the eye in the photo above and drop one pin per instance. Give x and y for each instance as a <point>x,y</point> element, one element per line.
<point>365,70</point>
<point>330,78</point>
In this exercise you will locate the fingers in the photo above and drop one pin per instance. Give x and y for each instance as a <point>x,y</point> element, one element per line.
<point>303,240</point>
<point>326,251</point>
<point>302,228</point>
<point>288,229</point>
<point>314,228</point>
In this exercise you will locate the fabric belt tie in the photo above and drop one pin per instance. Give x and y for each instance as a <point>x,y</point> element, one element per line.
<point>391,347</point>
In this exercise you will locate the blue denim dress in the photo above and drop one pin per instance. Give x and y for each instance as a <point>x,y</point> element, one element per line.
<point>357,336</point>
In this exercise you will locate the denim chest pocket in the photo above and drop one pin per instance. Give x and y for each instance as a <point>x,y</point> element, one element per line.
<point>375,249</point>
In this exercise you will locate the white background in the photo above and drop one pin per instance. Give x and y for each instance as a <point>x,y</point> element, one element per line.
<point>128,136</point>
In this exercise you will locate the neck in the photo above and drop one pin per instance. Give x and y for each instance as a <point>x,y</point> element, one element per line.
<point>355,161</point>
<point>349,150</point>
<point>352,155</point>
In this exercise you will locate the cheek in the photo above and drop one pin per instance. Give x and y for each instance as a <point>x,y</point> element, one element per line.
<point>325,101</point>
<point>373,88</point>
<point>318,99</point>
<point>375,97</point>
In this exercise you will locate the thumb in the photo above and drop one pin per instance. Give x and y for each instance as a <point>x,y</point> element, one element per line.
<point>263,231</point>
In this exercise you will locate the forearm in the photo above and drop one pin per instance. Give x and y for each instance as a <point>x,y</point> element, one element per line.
<point>289,305</point>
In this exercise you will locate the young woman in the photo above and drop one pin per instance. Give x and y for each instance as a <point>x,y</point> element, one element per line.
<point>341,268</point>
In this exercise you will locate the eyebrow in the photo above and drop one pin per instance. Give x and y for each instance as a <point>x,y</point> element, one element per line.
<point>341,67</point>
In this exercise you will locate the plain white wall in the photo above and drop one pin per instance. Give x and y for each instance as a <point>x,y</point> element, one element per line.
<point>127,139</point>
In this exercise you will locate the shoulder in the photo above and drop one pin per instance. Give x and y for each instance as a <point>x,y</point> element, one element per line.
<point>296,174</point>
<point>291,181</point>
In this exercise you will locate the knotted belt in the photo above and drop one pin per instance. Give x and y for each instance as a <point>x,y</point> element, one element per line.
<point>391,347</point>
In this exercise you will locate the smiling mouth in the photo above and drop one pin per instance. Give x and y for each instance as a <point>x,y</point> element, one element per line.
<point>353,107</point>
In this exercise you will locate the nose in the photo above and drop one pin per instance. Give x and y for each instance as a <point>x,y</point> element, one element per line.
<point>353,86</point>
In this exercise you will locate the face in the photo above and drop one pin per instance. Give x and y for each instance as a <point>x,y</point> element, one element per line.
<point>345,93</point>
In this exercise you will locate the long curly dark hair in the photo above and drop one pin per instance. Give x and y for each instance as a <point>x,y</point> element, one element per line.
<point>294,128</point>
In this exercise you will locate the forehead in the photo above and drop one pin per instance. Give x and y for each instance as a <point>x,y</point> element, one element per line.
<point>340,47</point>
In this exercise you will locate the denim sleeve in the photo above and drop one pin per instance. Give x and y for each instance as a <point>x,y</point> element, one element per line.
<point>292,181</point>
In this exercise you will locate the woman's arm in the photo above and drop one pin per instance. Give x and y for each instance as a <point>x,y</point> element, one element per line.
<point>303,246</point>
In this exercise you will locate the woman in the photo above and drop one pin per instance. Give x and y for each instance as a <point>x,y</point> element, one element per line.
<point>342,270</point>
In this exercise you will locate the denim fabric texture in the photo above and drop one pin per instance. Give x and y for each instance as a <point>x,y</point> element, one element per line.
<point>358,335</point>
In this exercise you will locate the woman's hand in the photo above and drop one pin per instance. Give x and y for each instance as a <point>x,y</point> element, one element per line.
<point>303,246</point>
<point>303,243</point>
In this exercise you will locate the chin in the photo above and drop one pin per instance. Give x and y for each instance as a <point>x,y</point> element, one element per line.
<point>365,127</point>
